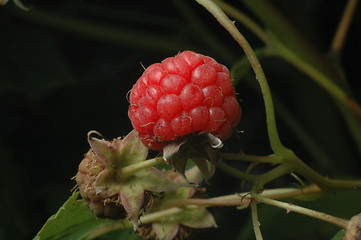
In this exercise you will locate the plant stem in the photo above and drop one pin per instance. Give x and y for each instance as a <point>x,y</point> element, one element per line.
<point>318,76</point>
<point>160,214</point>
<point>123,224</point>
<point>301,168</point>
<point>275,141</point>
<point>273,174</point>
<point>243,18</point>
<point>342,223</point>
<point>236,173</point>
<point>245,198</point>
<point>341,32</point>
<point>250,158</point>
<point>210,202</point>
<point>131,169</point>
<point>255,222</point>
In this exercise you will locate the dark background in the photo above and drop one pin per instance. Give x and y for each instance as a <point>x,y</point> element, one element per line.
<point>66,67</point>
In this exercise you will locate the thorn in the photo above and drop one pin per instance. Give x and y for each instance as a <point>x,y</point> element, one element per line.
<point>244,196</point>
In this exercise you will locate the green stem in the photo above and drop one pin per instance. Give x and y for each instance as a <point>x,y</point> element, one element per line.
<point>255,222</point>
<point>303,134</point>
<point>342,223</point>
<point>236,173</point>
<point>273,174</point>
<point>318,76</point>
<point>278,25</point>
<point>202,32</point>
<point>209,202</point>
<point>160,214</point>
<point>298,166</point>
<point>287,156</point>
<point>250,158</point>
<point>261,179</point>
<point>289,163</point>
<point>125,224</point>
<point>341,32</point>
<point>131,169</point>
<point>275,141</point>
<point>244,198</point>
<point>244,19</point>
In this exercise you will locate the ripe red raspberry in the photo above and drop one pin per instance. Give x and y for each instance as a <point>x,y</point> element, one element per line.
<point>188,93</point>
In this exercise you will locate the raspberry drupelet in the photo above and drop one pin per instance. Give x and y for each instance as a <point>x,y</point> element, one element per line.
<point>183,95</point>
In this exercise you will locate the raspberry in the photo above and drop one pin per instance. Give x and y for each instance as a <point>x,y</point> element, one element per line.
<point>89,169</point>
<point>113,181</point>
<point>186,94</point>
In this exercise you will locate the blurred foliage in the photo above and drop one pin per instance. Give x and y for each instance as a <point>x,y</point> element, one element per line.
<point>66,67</point>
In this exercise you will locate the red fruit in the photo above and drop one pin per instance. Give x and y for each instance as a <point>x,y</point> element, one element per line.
<point>185,94</point>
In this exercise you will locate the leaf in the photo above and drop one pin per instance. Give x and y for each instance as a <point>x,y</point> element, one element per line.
<point>197,218</point>
<point>123,234</point>
<point>132,149</point>
<point>74,220</point>
<point>339,235</point>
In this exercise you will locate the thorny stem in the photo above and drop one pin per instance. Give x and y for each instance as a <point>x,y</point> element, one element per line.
<point>236,173</point>
<point>311,70</point>
<point>244,19</point>
<point>222,18</point>
<point>250,158</point>
<point>255,222</point>
<point>244,198</point>
<point>209,202</point>
<point>318,76</point>
<point>287,157</point>
<point>341,32</point>
<point>160,214</point>
<point>342,223</point>
<point>273,174</point>
<point>301,168</point>
<point>289,163</point>
<point>241,199</point>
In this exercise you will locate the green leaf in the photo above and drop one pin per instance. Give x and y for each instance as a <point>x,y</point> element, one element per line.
<point>122,234</point>
<point>197,218</point>
<point>74,220</point>
<point>339,235</point>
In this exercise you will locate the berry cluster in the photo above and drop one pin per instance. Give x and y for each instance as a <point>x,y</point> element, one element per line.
<point>185,94</point>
